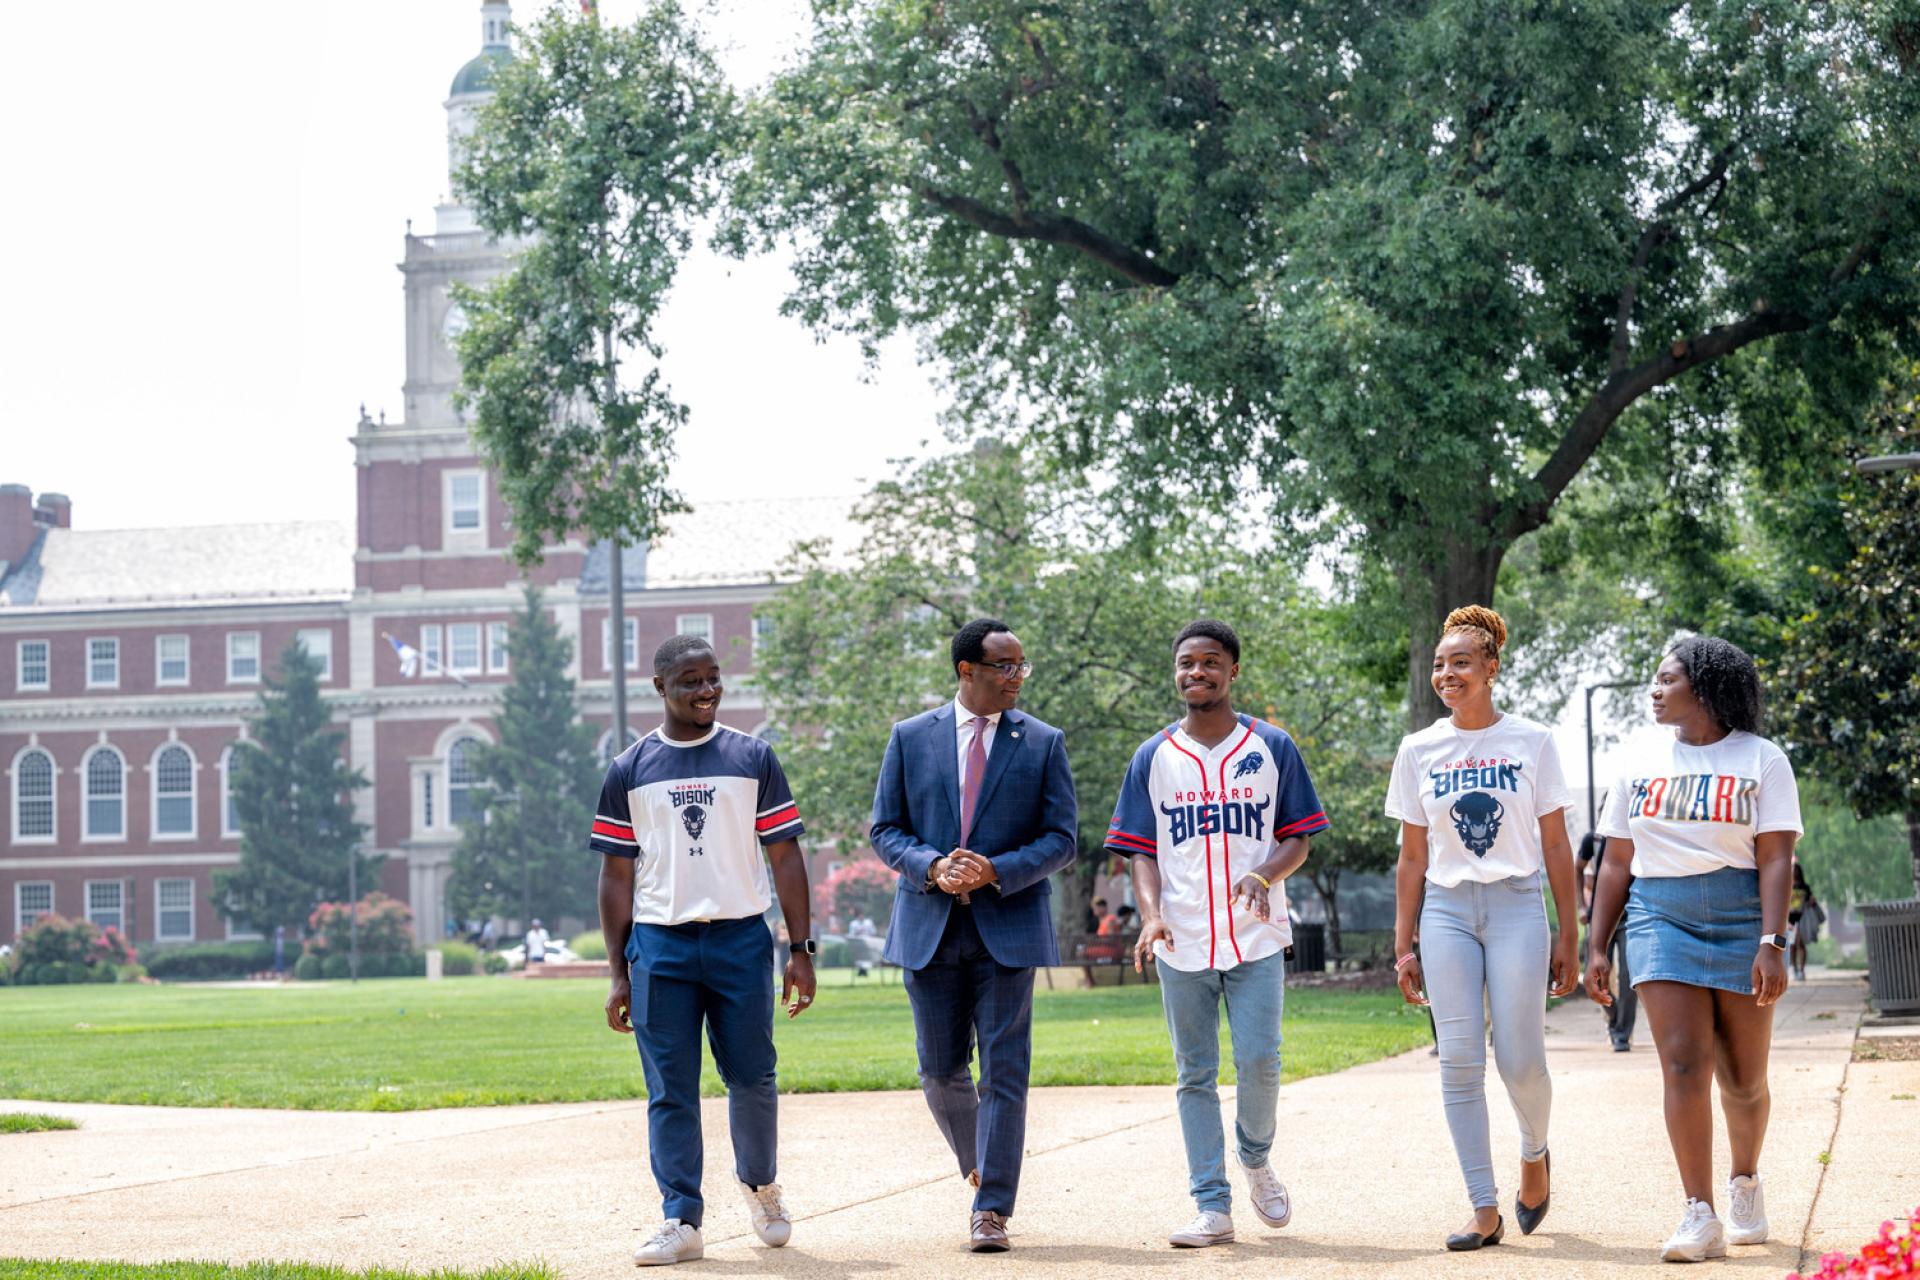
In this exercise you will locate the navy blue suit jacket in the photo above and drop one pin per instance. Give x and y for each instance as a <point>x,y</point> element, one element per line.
<point>1026,821</point>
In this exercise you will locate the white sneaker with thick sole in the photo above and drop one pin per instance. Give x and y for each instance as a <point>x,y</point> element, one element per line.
<point>1271,1204</point>
<point>1208,1227</point>
<point>675,1241</point>
<point>770,1220</point>
<point>1746,1210</point>
<point>1700,1236</point>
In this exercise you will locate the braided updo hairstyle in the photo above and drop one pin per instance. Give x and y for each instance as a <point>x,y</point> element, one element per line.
<point>1481,623</point>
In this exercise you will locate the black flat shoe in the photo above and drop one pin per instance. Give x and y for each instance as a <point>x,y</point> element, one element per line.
<point>1465,1241</point>
<point>1529,1218</point>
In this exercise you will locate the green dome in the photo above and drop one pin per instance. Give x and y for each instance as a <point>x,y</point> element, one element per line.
<point>477,76</point>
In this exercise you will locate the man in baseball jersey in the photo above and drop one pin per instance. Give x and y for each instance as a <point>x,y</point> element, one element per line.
<point>682,821</point>
<point>1214,814</point>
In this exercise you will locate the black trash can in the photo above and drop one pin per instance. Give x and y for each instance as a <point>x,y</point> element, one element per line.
<point>1893,955</point>
<point>1309,950</point>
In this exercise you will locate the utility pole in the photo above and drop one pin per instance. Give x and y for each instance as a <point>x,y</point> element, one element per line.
<point>1593,807</point>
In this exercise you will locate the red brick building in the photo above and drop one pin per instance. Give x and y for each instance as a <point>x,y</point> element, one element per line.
<point>129,658</point>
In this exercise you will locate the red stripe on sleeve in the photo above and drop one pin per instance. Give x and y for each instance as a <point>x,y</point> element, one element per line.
<point>780,819</point>
<point>601,827</point>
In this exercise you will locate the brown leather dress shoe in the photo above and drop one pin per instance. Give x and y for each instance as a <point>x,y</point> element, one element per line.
<point>989,1234</point>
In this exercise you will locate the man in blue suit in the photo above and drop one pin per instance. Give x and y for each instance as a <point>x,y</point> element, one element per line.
<point>975,809</point>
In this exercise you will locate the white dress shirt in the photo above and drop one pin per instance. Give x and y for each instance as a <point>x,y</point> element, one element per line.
<point>963,735</point>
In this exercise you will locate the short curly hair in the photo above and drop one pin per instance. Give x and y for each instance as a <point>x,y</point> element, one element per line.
<point>970,641</point>
<point>1725,681</point>
<point>1212,629</point>
<point>674,648</point>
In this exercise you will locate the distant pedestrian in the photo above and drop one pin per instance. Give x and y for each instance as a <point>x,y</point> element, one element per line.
<point>537,944</point>
<point>1096,912</point>
<point>1804,918</point>
<point>1622,1013</point>
<point>1704,826</point>
<point>489,934</point>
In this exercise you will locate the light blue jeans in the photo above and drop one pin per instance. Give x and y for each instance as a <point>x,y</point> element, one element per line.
<point>1489,941</point>
<point>1255,993</point>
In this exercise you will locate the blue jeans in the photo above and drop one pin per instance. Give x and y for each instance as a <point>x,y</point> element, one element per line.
<point>683,976</point>
<point>1485,947</point>
<point>1255,993</point>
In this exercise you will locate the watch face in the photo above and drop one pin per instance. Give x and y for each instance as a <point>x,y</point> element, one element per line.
<point>453,324</point>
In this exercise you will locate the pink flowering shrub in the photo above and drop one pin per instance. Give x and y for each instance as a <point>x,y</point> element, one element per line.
<point>1886,1257</point>
<point>386,927</point>
<point>863,886</point>
<point>57,950</point>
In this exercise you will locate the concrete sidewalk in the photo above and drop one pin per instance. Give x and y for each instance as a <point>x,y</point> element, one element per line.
<point>1365,1153</point>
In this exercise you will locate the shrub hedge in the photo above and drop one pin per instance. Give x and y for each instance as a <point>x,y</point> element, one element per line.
<point>207,961</point>
<point>589,946</point>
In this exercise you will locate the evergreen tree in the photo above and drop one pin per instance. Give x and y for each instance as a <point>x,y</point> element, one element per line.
<point>524,851</point>
<point>293,795</point>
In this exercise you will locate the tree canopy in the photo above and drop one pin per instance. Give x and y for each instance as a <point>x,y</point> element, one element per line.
<point>1395,275</point>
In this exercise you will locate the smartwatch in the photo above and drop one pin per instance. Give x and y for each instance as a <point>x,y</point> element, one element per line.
<point>1778,941</point>
<point>807,945</point>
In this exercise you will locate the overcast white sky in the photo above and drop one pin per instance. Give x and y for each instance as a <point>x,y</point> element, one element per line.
<point>201,288</point>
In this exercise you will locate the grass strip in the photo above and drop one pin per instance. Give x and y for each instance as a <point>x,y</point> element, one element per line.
<point>33,1122</point>
<point>407,1044</point>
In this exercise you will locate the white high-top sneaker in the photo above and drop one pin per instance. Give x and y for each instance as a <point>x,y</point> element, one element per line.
<point>1700,1236</point>
<point>1271,1204</point>
<point>770,1220</point>
<point>1208,1227</point>
<point>1746,1210</point>
<point>675,1241</point>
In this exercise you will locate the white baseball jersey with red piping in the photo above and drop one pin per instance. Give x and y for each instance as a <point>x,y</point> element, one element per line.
<point>696,815</point>
<point>1209,816</point>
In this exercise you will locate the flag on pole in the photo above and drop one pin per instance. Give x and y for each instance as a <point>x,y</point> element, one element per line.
<point>409,656</point>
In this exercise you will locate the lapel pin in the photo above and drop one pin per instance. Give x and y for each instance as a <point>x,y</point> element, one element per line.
<point>1016,733</point>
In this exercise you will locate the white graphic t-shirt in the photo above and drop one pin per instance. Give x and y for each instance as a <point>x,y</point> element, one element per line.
<point>1691,810</point>
<point>1480,793</point>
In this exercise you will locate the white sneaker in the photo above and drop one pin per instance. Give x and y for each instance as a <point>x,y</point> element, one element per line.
<point>675,1241</point>
<point>1700,1236</point>
<point>770,1220</point>
<point>1208,1227</point>
<point>1746,1210</point>
<point>1269,1195</point>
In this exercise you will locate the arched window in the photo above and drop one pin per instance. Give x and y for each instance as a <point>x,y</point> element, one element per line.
<point>460,781</point>
<point>33,795</point>
<point>607,751</point>
<point>106,784</point>
<point>173,792</point>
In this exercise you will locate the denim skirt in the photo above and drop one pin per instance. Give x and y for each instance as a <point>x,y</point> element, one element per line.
<point>1702,930</point>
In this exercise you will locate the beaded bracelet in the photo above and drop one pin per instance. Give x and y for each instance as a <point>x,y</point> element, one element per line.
<point>1401,963</point>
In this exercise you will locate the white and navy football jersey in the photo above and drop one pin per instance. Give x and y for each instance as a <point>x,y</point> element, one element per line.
<point>1210,815</point>
<point>695,815</point>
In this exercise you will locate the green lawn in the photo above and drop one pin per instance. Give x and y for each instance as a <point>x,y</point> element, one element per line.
<point>34,1269</point>
<point>32,1122</point>
<point>403,1044</point>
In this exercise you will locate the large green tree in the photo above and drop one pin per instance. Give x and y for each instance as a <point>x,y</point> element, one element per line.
<point>524,850</point>
<point>293,795</point>
<point>596,156</point>
<point>858,643</point>
<point>1848,685</point>
<point>1402,271</point>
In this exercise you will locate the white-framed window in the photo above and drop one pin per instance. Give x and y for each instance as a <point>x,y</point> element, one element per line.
<point>104,776</point>
<point>170,660</point>
<point>465,498</point>
<point>173,910</point>
<point>31,900</point>
<point>229,815</point>
<point>497,648</point>
<point>606,747</point>
<point>243,657</point>
<point>432,659</point>
<point>173,793</point>
<point>237,932</point>
<point>33,665</point>
<point>103,903</point>
<point>33,808</point>
<point>426,801</point>
<point>461,780</point>
<point>695,624</point>
<point>762,630</point>
<point>463,648</point>
<point>103,662</point>
<point>318,642</point>
<point>630,643</point>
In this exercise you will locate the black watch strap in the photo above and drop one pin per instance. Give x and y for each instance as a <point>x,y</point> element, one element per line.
<point>807,945</point>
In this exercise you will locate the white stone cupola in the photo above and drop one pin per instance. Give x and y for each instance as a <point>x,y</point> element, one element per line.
<point>472,85</point>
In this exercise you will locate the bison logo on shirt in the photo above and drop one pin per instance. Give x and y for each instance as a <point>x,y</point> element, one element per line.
<point>1249,763</point>
<point>695,819</point>
<point>1476,816</point>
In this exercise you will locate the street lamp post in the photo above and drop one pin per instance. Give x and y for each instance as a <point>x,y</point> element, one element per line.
<point>1593,815</point>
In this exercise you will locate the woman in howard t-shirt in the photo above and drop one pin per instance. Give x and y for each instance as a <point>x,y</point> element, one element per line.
<point>1704,827</point>
<point>1482,809</point>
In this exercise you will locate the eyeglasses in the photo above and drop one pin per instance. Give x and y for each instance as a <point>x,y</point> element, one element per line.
<point>1010,670</point>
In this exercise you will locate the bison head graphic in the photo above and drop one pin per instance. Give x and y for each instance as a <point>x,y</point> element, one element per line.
<point>1476,816</point>
<point>695,819</point>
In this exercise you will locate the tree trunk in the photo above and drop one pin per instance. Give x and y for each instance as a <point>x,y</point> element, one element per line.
<point>1464,575</point>
<point>1326,883</point>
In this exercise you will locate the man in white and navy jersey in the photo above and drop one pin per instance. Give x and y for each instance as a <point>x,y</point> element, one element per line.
<point>1214,814</point>
<point>683,818</point>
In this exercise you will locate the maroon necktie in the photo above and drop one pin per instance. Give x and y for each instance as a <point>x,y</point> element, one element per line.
<point>976,770</point>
